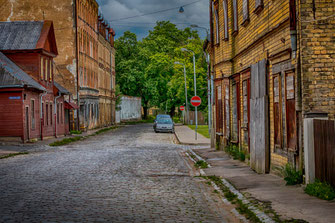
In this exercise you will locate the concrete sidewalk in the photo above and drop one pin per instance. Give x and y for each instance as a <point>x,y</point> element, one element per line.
<point>186,136</point>
<point>290,202</point>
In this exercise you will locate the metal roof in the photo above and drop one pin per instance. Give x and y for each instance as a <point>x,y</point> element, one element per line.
<point>20,35</point>
<point>61,88</point>
<point>12,76</point>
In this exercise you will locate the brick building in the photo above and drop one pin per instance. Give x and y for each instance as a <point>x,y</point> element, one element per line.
<point>30,102</point>
<point>76,30</point>
<point>270,69</point>
<point>106,73</point>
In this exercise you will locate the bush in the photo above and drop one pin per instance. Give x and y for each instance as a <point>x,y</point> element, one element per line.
<point>291,176</point>
<point>321,190</point>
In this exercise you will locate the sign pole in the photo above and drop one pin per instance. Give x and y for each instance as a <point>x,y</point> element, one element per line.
<point>196,101</point>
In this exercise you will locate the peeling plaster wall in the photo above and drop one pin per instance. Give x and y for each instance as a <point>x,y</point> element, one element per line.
<point>61,12</point>
<point>130,108</point>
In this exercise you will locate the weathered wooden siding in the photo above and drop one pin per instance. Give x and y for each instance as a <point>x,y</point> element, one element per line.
<point>11,114</point>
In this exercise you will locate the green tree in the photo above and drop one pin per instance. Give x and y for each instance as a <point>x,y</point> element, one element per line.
<point>146,68</point>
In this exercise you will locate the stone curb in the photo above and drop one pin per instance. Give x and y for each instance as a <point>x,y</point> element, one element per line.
<point>261,215</point>
<point>190,144</point>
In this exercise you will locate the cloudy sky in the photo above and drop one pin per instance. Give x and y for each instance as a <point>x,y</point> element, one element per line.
<point>115,11</point>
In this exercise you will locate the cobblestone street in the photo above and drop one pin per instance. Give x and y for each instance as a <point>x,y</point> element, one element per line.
<point>127,175</point>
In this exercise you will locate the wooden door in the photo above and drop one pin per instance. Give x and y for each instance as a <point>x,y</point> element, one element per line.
<point>290,112</point>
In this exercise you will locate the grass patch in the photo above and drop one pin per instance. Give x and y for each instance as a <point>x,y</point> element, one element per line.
<point>201,164</point>
<point>291,176</point>
<point>13,154</point>
<point>75,132</point>
<point>202,129</point>
<point>321,190</point>
<point>241,208</point>
<point>236,153</point>
<point>105,130</point>
<point>176,119</point>
<point>66,141</point>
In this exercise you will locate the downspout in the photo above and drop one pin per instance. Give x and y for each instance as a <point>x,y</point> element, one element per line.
<point>77,63</point>
<point>41,113</point>
<point>55,112</point>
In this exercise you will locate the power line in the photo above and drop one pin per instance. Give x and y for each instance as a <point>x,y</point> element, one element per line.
<point>150,13</point>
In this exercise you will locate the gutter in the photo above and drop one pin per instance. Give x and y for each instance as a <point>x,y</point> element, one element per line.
<point>55,112</point>
<point>41,113</point>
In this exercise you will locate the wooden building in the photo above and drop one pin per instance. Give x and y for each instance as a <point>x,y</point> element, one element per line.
<point>30,101</point>
<point>266,75</point>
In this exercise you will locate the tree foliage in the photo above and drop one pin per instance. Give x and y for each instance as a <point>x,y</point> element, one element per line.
<point>146,68</point>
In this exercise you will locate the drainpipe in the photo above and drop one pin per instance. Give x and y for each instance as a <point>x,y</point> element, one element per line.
<point>55,112</point>
<point>41,113</point>
<point>77,63</point>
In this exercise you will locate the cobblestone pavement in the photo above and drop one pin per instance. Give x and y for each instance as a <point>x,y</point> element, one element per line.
<point>127,175</point>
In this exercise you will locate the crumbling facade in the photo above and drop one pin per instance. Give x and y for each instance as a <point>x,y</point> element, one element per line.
<point>77,35</point>
<point>270,70</point>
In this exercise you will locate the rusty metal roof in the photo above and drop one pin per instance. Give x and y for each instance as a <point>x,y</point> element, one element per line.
<point>20,35</point>
<point>12,76</point>
<point>61,88</point>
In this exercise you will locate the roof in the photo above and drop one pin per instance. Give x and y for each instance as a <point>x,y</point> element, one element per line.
<point>28,35</point>
<point>12,76</point>
<point>20,35</point>
<point>61,88</point>
<point>70,105</point>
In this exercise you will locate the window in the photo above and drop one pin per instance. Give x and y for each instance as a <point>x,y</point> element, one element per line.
<point>42,68</point>
<point>45,69</point>
<point>235,16</point>
<point>50,67</point>
<point>245,12</point>
<point>47,114</point>
<point>43,114</point>
<point>236,110</point>
<point>226,108</point>
<point>284,111</point>
<point>219,113</point>
<point>217,29</point>
<point>61,113</point>
<point>258,6</point>
<point>57,113</point>
<point>225,13</point>
<point>32,114</point>
<point>51,116</point>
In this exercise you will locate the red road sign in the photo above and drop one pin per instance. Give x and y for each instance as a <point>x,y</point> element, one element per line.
<point>196,101</point>
<point>182,108</point>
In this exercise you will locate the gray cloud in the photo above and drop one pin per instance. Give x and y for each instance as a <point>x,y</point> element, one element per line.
<point>197,13</point>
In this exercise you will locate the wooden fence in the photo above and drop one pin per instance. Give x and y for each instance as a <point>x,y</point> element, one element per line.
<point>324,149</point>
<point>202,120</point>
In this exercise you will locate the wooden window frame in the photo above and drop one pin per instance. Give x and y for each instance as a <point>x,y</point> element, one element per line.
<point>51,116</point>
<point>46,114</point>
<point>33,120</point>
<point>217,23</point>
<point>235,17</point>
<point>259,5</point>
<point>226,18</point>
<point>42,68</point>
<point>246,16</point>
<point>236,84</point>
<point>279,120</point>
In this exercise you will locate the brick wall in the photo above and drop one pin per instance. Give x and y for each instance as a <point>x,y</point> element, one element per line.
<point>317,28</point>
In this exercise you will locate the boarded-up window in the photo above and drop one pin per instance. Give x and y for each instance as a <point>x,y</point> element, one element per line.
<point>290,111</point>
<point>225,13</point>
<point>227,109</point>
<point>235,16</point>
<point>235,111</point>
<point>258,6</point>
<point>51,117</point>
<point>246,18</point>
<point>246,110</point>
<point>276,110</point>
